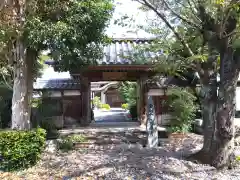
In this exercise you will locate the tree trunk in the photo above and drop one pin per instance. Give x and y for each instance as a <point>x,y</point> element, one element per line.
<point>223,146</point>
<point>209,114</point>
<point>208,103</point>
<point>20,102</point>
<point>31,58</point>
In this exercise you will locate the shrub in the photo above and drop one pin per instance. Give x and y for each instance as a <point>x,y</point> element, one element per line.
<point>50,127</point>
<point>128,91</point>
<point>96,102</point>
<point>67,143</point>
<point>105,106</point>
<point>20,149</point>
<point>125,106</point>
<point>77,138</point>
<point>182,108</point>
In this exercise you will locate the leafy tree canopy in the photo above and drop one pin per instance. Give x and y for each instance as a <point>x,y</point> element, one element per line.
<point>71,29</point>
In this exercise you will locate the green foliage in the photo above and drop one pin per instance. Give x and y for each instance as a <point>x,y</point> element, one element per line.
<point>72,30</point>
<point>50,127</point>
<point>67,143</point>
<point>77,138</point>
<point>96,102</point>
<point>125,106</point>
<point>238,158</point>
<point>128,91</point>
<point>44,110</point>
<point>20,149</point>
<point>181,103</point>
<point>105,106</point>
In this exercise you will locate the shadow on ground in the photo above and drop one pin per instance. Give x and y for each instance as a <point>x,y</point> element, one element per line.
<point>111,160</point>
<point>129,137</point>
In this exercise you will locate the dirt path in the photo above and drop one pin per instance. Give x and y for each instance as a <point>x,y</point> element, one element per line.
<point>125,160</point>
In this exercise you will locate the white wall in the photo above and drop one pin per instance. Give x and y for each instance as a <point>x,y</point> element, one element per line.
<point>155,92</point>
<point>71,93</point>
<point>58,93</point>
<point>238,99</point>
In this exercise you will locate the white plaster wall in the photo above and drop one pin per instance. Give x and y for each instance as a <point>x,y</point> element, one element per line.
<point>238,99</point>
<point>155,92</point>
<point>54,94</point>
<point>71,93</point>
<point>66,93</point>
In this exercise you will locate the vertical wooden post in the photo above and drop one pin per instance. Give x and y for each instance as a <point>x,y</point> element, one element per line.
<point>139,100</point>
<point>62,106</point>
<point>143,100</point>
<point>86,101</point>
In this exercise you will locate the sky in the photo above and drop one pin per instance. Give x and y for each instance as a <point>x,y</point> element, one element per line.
<point>122,7</point>
<point>129,8</point>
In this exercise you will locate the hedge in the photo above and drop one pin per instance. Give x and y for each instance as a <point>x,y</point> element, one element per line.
<point>21,149</point>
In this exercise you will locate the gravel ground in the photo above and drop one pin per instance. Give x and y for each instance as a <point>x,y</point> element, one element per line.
<point>125,161</point>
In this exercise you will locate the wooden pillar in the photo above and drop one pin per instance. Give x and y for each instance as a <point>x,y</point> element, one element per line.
<point>85,101</point>
<point>138,100</point>
<point>62,106</point>
<point>143,101</point>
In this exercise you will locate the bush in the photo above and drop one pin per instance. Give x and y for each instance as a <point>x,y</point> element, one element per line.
<point>96,102</point>
<point>182,108</point>
<point>105,106</point>
<point>67,143</point>
<point>125,106</point>
<point>21,149</point>
<point>50,127</point>
<point>77,138</point>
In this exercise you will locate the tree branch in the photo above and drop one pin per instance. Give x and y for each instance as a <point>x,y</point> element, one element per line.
<point>178,36</point>
<point>181,17</point>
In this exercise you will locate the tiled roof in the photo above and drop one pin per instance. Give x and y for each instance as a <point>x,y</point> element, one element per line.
<point>56,84</point>
<point>125,51</point>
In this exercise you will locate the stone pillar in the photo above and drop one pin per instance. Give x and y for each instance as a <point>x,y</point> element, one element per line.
<point>151,127</point>
<point>86,101</point>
